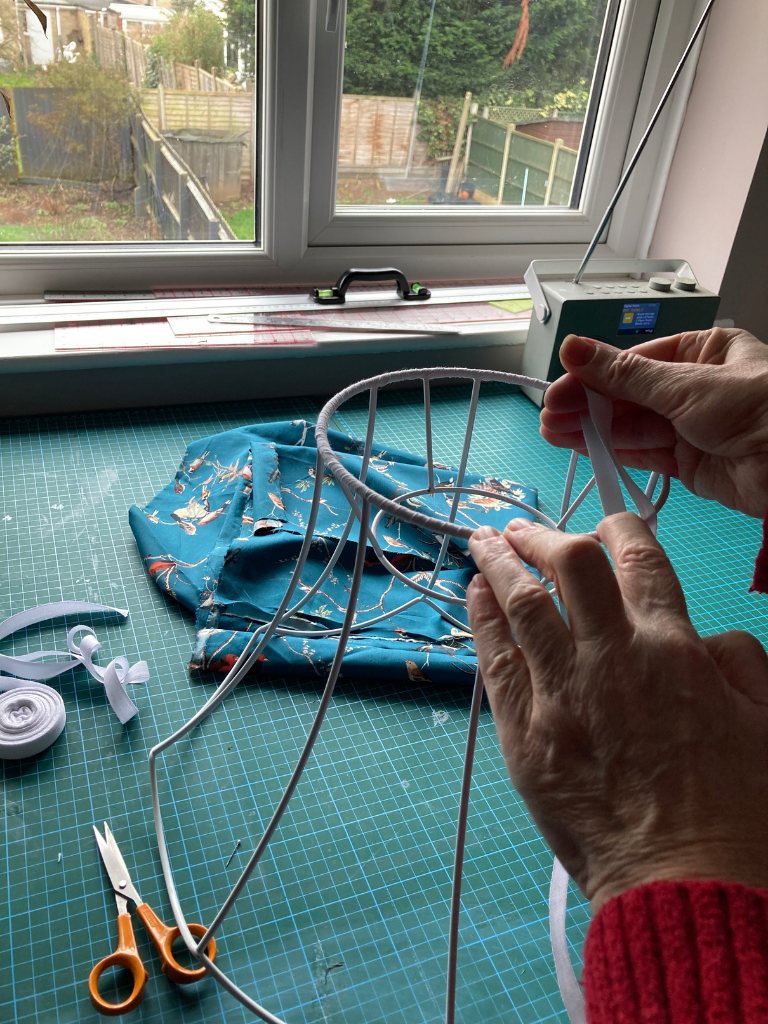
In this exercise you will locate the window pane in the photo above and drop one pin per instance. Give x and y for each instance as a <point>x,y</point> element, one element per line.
<point>130,123</point>
<point>467,102</point>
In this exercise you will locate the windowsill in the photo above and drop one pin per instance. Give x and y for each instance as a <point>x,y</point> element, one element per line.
<point>40,379</point>
<point>33,351</point>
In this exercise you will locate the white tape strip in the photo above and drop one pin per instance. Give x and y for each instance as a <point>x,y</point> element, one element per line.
<point>82,645</point>
<point>32,718</point>
<point>606,467</point>
<point>609,475</point>
<point>570,990</point>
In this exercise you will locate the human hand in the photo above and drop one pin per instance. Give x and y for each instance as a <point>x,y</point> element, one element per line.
<point>692,406</point>
<point>639,747</point>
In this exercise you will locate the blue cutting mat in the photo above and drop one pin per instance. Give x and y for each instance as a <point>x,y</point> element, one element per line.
<point>345,919</point>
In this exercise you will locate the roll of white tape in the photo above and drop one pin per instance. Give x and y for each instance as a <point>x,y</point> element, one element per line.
<point>32,717</point>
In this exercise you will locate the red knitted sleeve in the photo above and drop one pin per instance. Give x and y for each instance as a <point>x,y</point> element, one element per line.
<point>760,579</point>
<point>679,953</point>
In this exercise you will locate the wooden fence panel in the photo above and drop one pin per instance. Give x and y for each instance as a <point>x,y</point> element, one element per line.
<point>515,169</point>
<point>565,171</point>
<point>485,157</point>
<point>195,79</point>
<point>118,52</point>
<point>527,171</point>
<point>375,132</point>
<point>169,190</point>
<point>110,48</point>
<point>135,61</point>
<point>170,109</point>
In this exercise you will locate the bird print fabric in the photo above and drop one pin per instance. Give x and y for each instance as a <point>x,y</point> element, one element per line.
<point>223,537</point>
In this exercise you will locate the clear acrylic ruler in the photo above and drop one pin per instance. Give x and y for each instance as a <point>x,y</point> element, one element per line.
<point>331,322</point>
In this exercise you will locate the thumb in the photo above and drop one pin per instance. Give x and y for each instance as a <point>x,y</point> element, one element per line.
<point>742,659</point>
<point>659,386</point>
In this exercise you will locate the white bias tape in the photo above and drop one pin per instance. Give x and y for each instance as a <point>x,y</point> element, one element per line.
<point>609,475</point>
<point>570,990</point>
<point>82,645</point>
<point>608,471</point>
<point>32,718</point>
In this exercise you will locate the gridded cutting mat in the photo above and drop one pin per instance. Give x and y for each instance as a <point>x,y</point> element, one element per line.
<point>345,918</point>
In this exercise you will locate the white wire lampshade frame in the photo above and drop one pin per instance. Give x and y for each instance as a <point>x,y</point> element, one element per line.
<point>367,507</point>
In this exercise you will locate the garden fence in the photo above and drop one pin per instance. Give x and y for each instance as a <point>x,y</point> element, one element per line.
<point>193,77</point>
<point>118,52</point>
<point>514,169</point>
<point>376,133</point>
<point>170,192</point>
<point>170,110</point>
<point>126,56</point>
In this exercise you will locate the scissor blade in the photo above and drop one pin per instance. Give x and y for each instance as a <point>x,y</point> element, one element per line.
<point>115,866</point>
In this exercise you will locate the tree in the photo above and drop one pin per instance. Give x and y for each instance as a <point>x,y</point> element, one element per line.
<point>83,118</point>
<point>241,31</point>
<point>192,34</point>
<point>560,52</point>
<point>469,40</point>
<point>10,45</point>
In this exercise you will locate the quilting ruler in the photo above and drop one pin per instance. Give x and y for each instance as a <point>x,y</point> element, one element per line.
<point>331,322</point>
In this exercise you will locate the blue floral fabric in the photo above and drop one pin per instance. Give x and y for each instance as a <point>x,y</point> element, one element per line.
<point>223,537</point>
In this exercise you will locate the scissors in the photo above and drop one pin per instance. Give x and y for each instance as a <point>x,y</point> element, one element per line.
<point>126,956</point>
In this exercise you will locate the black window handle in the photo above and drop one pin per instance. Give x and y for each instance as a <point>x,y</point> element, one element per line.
<point>336,295</point>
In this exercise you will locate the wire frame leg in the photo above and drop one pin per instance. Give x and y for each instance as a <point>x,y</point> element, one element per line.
<point>361,498</point>
<point>461,839</point>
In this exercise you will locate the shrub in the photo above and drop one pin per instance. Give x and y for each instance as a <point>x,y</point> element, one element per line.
<point>192,34</point>
<point>85,122</point>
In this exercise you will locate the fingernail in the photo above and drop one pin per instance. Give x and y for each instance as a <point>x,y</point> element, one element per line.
<point>519,524</point>
<point>577,351</point>
<point>478,583</point>
<point>484,533</point>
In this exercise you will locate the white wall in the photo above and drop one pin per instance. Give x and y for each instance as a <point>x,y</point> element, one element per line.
<point>718,149</point>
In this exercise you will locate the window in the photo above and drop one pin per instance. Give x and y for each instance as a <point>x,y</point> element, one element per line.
<point>129,123</point>
<point>469,103</point>
<point>451,138</point>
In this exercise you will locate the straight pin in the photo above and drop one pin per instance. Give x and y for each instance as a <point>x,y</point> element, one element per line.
<point>237,847</point>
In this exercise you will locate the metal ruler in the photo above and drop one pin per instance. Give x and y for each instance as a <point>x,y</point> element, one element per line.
<point>330,322</point>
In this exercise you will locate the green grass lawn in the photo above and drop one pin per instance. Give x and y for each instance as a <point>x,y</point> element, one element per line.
<point>240,220</point>
<point>59,213</point>
<point>86,229</point>
<point>19,233</point>
<point>20,78</point>
<point>77,229</point>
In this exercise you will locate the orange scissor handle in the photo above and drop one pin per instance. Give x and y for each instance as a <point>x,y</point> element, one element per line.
<point>164,937</point>
<point>125,957</point>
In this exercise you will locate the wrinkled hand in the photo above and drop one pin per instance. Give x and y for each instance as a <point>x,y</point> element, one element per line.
<point>640,748</point>
<point>691,406</point>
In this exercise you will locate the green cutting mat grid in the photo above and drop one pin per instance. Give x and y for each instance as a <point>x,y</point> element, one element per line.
<point>345,918</point>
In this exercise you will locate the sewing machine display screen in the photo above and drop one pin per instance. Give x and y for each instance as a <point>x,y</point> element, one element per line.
<point>639,317</point>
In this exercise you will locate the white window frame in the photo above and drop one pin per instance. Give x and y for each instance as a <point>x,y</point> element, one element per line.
<point>306,240</point>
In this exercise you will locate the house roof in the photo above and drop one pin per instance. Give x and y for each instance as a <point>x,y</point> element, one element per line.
<point>140,12</point>
<point>127,11</point>
<point>87,5</point>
